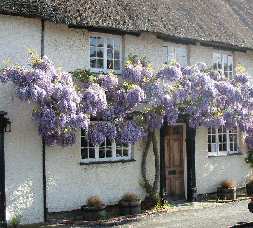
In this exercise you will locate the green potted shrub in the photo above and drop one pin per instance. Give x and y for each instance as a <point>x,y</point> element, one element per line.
<point>94,209</point>
<point>227,190</point>
<point>130,204</point>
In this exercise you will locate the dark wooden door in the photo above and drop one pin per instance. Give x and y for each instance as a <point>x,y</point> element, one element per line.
<point>174,161</point>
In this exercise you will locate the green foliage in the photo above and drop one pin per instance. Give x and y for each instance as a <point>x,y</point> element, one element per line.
<point>84,75</point>
<point>160,206</point>
<point>249,158</point>
<point>15,221</point>
<point>240,69</point>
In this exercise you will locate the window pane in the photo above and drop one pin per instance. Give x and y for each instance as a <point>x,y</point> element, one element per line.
<point>226,74</point>
<point>116,54</point>
<point>93,63</point>
<point>109,64</point>
<point>92,152</point>
<point>101,152</point>
<point>100,52</point>
<point>125,152</point>
<point>100,42</point>
<point>100,63</point>
<point>84,153</point>
<point>110,43</point>
<point>230,63</point>
<point>109,53</point>
<point>171,54</point>
<point>165,54</point>
<point>117,65</point>
<point>118,152</point>
<point>109,152</point>
<point>93,41</point>
<point>92,52</point>
<point>181,56</point>
<point>84,142</point>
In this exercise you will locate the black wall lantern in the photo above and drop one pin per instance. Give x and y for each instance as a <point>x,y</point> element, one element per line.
<point>5,126</point>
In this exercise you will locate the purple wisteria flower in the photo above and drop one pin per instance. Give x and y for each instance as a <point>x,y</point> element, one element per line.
<point>170,73</point>
<point>130,132</point>
<point>135,96</point>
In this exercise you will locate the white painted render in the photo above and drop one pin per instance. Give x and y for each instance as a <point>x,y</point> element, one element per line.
<point>69,183</point>
<point>212,171</point>
<point>23,145</point>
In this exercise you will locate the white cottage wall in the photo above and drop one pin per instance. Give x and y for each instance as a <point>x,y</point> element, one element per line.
<point>23,155</point>
<point>212,171</point>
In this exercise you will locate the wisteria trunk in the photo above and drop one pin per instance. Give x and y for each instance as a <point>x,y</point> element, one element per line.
<point>151,189</point>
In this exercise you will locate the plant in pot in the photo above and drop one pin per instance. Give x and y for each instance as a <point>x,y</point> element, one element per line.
<point>227,190</point>
<point>130,204</point>
<point>94,209</point>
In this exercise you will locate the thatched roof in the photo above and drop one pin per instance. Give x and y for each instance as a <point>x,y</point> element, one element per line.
<point>221,22</point>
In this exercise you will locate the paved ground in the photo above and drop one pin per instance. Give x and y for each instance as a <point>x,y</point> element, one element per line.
<point>226,215</point>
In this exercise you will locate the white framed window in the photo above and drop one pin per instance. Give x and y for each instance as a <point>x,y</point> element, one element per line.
<point>175,53</point>
<point>223,63</point>
<point>222,141</point>
<point>109,150</point>
<point>105,52</point>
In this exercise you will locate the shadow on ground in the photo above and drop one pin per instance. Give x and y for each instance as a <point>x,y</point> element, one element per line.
<point>243,224</point>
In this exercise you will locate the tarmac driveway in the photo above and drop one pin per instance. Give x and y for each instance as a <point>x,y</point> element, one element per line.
<point>227,215</point>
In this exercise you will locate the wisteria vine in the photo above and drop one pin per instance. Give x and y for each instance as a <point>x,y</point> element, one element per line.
<point>124,107</point>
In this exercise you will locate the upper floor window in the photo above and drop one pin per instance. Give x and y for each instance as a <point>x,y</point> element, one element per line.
<point>175,53</point>
<point>224,64</point>
<point>222,141</point>
<point>109,150</point>
<point>105,53</point>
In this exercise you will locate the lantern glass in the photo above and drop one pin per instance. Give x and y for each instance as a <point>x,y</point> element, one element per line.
<point>8,126</point>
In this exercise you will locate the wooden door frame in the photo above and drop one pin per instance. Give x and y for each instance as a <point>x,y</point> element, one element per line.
<point>189,161</point>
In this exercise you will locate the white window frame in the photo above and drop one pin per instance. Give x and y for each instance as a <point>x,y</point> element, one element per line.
<point>217,152</point>
<point>171,53</point>
<point>114,157</point>
<point>105,36</point>
<point>222,56</point>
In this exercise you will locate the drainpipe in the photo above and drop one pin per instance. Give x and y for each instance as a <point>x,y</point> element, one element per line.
<point>44,177</point>
<point>191,174</point>
<point>3,124</point>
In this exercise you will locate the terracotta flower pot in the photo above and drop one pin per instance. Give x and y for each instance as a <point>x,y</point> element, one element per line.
<point>226,193</point>
<point>130,207</point>
<point>93,213</point>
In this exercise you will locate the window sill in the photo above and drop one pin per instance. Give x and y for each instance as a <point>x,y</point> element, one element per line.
<point>106,162</point>
<point>225,155</point>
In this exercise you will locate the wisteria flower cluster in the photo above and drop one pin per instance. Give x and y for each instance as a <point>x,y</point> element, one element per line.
<point>56,101</point>
<point>124,107</point>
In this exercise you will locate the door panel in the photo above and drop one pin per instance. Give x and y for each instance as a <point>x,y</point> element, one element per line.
<point>174,161</point>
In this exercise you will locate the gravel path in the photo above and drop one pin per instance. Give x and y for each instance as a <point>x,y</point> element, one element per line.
<point>226,215</point>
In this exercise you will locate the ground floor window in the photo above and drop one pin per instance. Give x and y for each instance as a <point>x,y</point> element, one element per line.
<point>109,150</point>
<point>222,141</point>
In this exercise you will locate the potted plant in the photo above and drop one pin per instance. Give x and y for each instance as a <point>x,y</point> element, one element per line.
<point>227,191</point>
<point>130,204</point>
<point>94,209</point>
